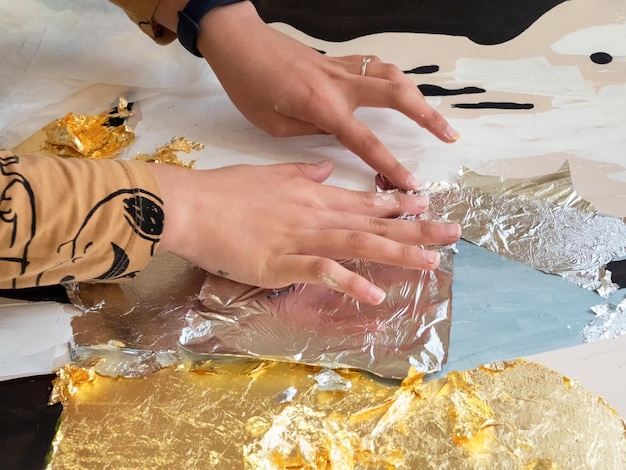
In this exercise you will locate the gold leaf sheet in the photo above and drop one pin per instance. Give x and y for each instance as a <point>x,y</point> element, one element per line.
<point>245,414</point>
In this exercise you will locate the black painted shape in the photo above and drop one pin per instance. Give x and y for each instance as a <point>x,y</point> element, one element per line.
<point>38,294</point>
<point>482,21</point>
<point>424,69</point>
<point>116,121</point>
<point>27,422</point>
<point>494,105</point>
<point>618,272</point>
<point>435,90</point>
<point>601,58</point>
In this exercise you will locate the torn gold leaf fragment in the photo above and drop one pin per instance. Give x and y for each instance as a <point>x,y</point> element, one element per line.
<point>90,136</point>
<point>167,153</point>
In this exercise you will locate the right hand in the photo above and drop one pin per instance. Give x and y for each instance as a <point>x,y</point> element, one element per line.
<point>272,226</point>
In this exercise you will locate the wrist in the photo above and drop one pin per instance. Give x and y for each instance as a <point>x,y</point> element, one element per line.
<point>169,180</point>
<point>191,18</point>
<point>228,24</point>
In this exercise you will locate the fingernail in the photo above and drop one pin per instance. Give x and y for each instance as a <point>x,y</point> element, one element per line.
<point>452,230</point>
<point>452,134</point>
<point>422,202</point>
<point>377,295</point>
<point>432,257</point>
<point>324,162</point>
<point>412,183</point>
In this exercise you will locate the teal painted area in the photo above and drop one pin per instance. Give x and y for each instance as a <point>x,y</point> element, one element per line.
<point>502,309</point>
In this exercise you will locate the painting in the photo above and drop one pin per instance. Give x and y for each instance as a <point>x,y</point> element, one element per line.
<point>530,85</point>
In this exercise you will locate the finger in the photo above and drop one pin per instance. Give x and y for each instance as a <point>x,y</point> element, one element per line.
<point>316,270</point>
<point>405,98</point>
<point>353,64</point>
<point>341,244</point>
<point>390,72</point>
<point>357,137</point>
<point>370,203</point>
<point>335,199</point>
<point>412,232</point>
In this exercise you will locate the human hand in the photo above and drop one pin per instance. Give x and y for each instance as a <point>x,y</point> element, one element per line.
<point>287,88</point>
<point>272,226</point>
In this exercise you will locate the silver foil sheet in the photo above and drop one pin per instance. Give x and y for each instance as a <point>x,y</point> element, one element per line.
<point>173,310</point>
<point>539,221</point>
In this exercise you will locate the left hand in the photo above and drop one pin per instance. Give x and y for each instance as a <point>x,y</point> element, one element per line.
<point>287,88</point>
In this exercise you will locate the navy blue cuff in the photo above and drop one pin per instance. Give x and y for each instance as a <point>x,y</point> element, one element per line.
<point>188,28</point>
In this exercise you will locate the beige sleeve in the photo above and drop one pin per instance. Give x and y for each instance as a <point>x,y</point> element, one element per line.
<point>141,12</point>
<point>69,219</point>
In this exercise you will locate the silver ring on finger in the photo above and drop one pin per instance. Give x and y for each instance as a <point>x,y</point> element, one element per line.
<point>366,60</point>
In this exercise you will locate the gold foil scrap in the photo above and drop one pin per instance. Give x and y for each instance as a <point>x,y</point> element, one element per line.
<point>70,380</point>
<point>90,136</point>
<point>224,415</point>
<point>167,153</point>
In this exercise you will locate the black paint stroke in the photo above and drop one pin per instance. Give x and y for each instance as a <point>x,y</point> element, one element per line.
<point>423,69</point>
<point>601,58</point>
<point>435,90</point>
<point>618,272</point>
<point>482,21</point>
<point>494,105</point>
<point>56,293</point>
<point>117,121</point>
<point>27,423</point>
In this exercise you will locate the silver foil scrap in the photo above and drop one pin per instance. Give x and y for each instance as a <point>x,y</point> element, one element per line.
<point>609,323</point>
<point>172,310</point>
<point>540,221</point>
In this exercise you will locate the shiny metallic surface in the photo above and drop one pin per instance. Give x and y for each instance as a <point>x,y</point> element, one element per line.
<point>610,322</point>
<point>173,310</point>
<point>268,415</point>
<point>539,221</point>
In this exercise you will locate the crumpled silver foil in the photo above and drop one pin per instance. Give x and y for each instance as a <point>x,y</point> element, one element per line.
<point>172,310</point>
<point>539,221</point>
<point>315,325</point>
<point>610,322</point>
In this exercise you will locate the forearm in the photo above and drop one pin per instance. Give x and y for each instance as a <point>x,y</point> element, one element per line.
<point>64,219</point>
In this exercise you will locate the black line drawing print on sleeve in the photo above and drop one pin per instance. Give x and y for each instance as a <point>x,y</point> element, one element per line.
<point>14,249</point>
